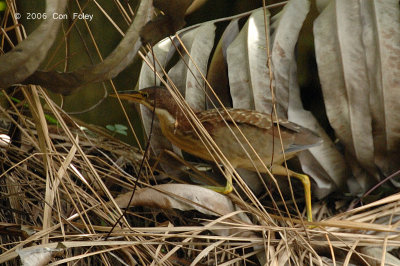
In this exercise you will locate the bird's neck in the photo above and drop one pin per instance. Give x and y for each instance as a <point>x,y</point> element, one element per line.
<point>165,116</point>
<point>173,120</point>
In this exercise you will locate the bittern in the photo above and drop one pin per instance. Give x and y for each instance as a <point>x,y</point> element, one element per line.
<point>260,131</point>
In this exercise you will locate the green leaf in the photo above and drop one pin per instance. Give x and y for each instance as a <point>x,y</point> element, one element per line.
<point>111,127</point>
<point>120,127</point>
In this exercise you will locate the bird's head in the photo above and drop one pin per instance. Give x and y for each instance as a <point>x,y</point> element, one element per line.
<point>154,98</point>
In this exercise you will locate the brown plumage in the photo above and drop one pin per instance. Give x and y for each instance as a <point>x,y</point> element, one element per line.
<point>259,129</point>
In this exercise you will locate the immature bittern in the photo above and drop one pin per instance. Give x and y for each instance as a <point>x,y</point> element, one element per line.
<point>258,128</point>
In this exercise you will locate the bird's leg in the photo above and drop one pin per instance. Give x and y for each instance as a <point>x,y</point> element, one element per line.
<point>228,187</point>
<point>280,170</point>
<point>307,192</point>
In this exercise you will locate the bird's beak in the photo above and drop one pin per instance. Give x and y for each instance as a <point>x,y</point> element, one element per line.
<point>131,96</point>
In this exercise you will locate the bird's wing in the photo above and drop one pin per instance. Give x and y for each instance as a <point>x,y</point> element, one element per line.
<point>243,116</point>
<point>302,137</point>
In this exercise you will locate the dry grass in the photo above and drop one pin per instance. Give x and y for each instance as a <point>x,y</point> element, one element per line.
<point>59,183</point>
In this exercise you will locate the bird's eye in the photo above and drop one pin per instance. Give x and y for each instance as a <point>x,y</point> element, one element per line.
<point>145,94</point>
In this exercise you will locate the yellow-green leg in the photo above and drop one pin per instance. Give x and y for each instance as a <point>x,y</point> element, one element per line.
<point>280,170</point>
<point>228,187</point>
<point>307,192</point>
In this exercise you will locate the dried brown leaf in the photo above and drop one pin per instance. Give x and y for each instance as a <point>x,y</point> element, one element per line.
<point>217,74</point>
<point>180,196</point>
<point>358,62</point>
<point>324,163</point>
